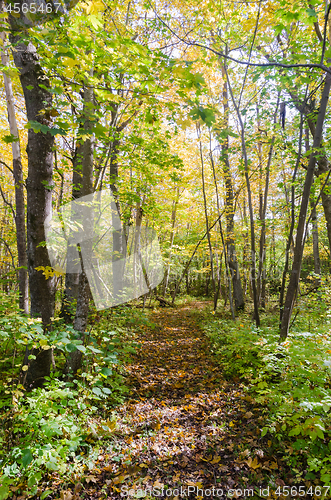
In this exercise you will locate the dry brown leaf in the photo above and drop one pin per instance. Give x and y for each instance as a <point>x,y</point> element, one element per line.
<point>66,495</point>
<point>90,479</point>
<point>157,484</point>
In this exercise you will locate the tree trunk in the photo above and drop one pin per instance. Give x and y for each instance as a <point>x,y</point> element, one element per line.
<point>232,261</point>
<point>316,253</point>
<point>72,277</point>
<point>19,189</point>
<point>206,216</point>
<point>289,242</point>
<point>39,197</point>
<point>250,207</point>
<point>263,210</point>
<point>228,277</point>
<point>322,164</point>
<point>118,234</point>
<point>245,245</point>
<point>299,244</point>
<point>74,359</point>
<point>172,236</point>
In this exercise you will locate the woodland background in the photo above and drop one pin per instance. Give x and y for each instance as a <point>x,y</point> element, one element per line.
<point>209,122</point>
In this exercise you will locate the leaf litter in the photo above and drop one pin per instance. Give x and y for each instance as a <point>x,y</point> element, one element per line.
<point>183,424</point>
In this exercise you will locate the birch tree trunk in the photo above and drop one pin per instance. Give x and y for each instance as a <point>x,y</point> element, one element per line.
<point>172,237</point>
<point>206,216</point>
<point>263,211</point>
<point>19,187</point>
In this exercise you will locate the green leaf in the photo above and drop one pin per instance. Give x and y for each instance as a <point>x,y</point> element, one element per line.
<point>81,348</point>
<point>4,492</point>
<point>207,115</point>
<point>106,372</point>
<point>70,347</point>
<point>8,139</point>
<point>27,457</point>
<point>44,495</point>
<point>44,129</point>
<point>93,349</point>
<point>97,391</point>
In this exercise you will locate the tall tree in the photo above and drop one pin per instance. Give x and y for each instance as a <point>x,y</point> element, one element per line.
<point>39,185</point>
<point>299,242</point>
<point>233,265</point>
<point>19,184</point>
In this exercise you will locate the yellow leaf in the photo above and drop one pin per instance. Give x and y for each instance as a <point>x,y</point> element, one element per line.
<point>215,460</point>
<point>25,368</point>
<point>69,62</point>
<point>118,479</point>
<point>95,6</point>
<point>157,426</point>
<point>111,424</point>
<point>253,464</point>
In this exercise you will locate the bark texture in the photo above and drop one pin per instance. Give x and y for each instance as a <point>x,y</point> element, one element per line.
<point>39,196</point>
<point>232,261</point>
<point>72,278</point>
<point>74,359</point>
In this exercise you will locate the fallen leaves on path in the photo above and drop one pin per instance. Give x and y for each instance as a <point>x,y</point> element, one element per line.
<point>185,429</point>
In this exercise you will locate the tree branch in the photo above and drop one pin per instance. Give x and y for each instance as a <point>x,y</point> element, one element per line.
<point>10,252</point>
<point>316,25</point>
<point>6,202</point>
<point>7,166</point>
<point>245,63</point>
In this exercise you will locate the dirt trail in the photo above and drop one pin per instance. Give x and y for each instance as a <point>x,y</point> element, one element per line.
<point>185,429</point>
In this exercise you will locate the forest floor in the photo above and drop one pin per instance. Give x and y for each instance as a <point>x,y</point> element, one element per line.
<point>184,432</point>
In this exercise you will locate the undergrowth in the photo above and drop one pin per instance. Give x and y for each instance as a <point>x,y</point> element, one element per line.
<point>291,381</point>
<point>54,431</point>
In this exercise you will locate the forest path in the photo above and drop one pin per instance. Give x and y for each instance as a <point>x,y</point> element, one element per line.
<point>185,429</point>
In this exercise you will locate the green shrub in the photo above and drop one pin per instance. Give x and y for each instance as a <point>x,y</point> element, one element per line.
<point>292,382</point>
